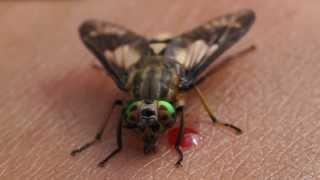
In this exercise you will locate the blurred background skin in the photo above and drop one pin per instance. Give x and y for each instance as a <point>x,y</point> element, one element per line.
<point>52,100</point>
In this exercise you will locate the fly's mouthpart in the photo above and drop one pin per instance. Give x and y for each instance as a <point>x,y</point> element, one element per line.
<point>155,127</point>
<point>149,122</point>
<point>150,140</point>
<point>149,148</point>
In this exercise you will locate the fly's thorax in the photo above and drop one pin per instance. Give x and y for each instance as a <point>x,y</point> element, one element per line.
<point>153,78</point>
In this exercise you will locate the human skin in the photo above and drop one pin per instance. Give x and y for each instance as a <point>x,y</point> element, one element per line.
<point>52,101</point>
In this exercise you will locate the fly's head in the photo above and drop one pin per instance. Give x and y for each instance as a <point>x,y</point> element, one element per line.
<point>149,118</point>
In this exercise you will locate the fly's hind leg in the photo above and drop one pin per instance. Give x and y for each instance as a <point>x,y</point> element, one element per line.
<point>213,118</point>
<point>97,67</point>
<point>242,53</point>
<point>99,134</point>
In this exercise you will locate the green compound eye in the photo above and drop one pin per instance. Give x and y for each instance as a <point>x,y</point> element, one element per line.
<point>130,109</point>
<point>169,107</point>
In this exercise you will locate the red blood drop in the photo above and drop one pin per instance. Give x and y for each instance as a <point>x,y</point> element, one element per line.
<point>190,137</point>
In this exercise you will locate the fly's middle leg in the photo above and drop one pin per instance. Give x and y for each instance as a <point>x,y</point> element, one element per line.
<point>213,118</point>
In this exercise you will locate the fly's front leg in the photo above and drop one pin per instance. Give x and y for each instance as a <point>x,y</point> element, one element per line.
<point>99,133</point>
<point>119,143</point>
<point>180,136</point>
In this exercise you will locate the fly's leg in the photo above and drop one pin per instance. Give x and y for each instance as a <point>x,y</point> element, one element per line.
<point>180,137</point>
<point>242,53</point>
<point>119,143</point>
<point>97,67</point>
<point>213,118</point>
<point>99,134</point>
<point>227,59</point>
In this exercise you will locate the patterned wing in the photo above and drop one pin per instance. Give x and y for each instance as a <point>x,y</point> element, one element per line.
<point>116,48</point>
<point>198,48</point>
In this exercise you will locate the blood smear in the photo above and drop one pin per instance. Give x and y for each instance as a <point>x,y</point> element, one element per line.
<point>190,138</point>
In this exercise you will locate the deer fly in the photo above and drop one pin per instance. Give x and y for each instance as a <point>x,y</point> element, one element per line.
<point>157,72</point>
